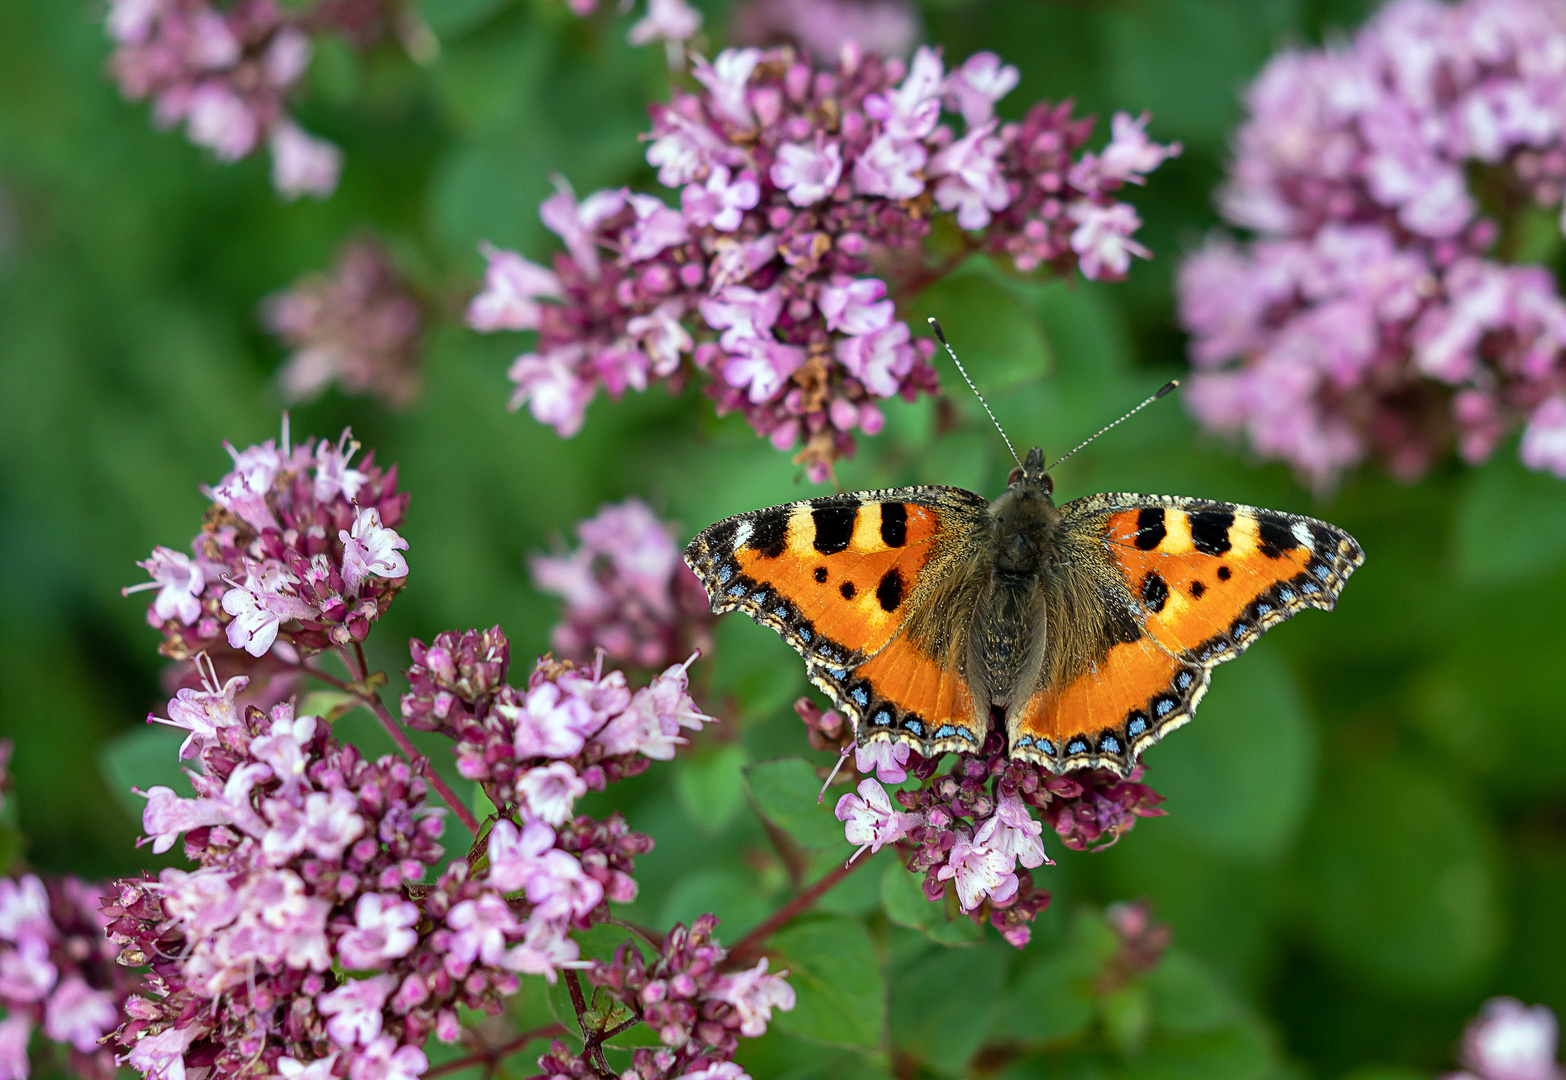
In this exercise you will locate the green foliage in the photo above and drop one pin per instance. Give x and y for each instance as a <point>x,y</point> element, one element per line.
<point>1364,835</point>
<point>838,980</point>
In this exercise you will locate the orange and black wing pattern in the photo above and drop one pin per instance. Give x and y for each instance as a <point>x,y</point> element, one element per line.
<point>1199,582</point>
<point>839,577</point>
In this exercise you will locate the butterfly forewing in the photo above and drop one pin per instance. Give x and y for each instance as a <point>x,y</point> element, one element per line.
<point>1203,580</point>
<point>839,577</point>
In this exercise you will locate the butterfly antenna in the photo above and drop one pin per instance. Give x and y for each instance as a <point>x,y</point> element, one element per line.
<point>941,335</point>
<point>1167,388</point>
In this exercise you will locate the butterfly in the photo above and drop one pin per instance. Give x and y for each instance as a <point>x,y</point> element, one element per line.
<point>1085,632</point>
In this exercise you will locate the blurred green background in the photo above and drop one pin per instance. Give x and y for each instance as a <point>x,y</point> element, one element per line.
<point>1367,827</point>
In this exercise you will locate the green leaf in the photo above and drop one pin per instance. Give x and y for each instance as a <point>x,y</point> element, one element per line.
<point>902,894</point>
<point>711,785</point>
<point>1510,522</point>
<point>1400,883</point>
<point>730,894</point>
<point>785,793</point>
<point>1186,997</point>
<point>924,1022</point>
<point>143,758</point>
<point>837,980</point>
<point>1238,779</point>
<point>1051,1001</point>
<point>997,337</point>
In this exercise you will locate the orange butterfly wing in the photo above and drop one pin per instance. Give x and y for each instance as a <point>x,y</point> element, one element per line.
<point>1201,581</point>
<point>839,577</point>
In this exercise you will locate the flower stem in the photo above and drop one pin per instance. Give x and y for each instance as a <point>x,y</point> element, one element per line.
<point>753,941</point>
<point>494,1053</point>
<point>372,701</point>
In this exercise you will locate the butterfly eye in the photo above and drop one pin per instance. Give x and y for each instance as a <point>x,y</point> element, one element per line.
<point>1049,484</point>
<point>1016,474</point>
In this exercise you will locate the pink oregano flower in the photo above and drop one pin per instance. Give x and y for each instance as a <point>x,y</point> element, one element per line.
<point>786,186</point>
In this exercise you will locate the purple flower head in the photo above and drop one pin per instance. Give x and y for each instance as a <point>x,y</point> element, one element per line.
<point>794,183</point>
<point>57,974</point>
<point>224,73</point>
<point>1373,314</point>
<point>1511,1041</point>
<point>358,326</point>
<point>626,591</point>
<point>822,29</point>
<point>299,553</point>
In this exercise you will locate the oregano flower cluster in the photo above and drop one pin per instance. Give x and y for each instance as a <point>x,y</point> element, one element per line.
<point>1382,309</point>
<point>805,199</point>
<point>319,931</point>
<point>967,829</point>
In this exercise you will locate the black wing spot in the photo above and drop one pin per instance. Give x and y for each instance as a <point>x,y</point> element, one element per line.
<point>821,575</point>
<point>1197,589</point>
<point>769,533</point>
<point>1210,530</point>
<point>894,524</point>
<point>847,589</point>
<point>1150,530</point>
<point>1154,592</point>
<point>890,591</point>
<point>1224,573</point>
<point>834,527</point>
<point>1275,536</point>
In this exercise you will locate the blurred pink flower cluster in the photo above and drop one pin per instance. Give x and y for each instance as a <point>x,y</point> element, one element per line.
<point>821,28</point>
<point>298,553</point>
<point>805,197</point>
<point>225,74</point>
<point>973,825</point>
<point>57,973</point>
<point>358,326</point>
<point>1510,1041</point>
<point>626,591</point>
<point>669,21</point>
<point>1389,184</point>
<point>697,1009</point>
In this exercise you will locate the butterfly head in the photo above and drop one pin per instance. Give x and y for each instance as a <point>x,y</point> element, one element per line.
<point>1031,474</point>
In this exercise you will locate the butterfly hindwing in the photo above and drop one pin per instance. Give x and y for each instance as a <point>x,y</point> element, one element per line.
<point>839,578</point>
<point>1202,580</point>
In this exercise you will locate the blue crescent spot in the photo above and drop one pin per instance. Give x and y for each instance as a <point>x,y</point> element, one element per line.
<point>1025,740</point>
<point>945,731</point>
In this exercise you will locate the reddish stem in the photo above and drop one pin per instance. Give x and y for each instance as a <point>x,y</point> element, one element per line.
<point>372,701</point>
<point>753,941</point>
<point>493,1053</point>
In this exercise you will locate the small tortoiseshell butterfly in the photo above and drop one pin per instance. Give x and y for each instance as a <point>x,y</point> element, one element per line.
<point>1086,631</point>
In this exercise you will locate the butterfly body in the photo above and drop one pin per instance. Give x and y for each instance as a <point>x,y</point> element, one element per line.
<point>1084,632</point>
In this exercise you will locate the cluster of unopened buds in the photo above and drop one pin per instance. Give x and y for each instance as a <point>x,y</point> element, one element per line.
<point>1380,309</point>
<point>358,327</point>
<point>691,995</point>
<point>57,970</point>
<point>626,591</point>
<point>794,185</point>
<point>967,829</point>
